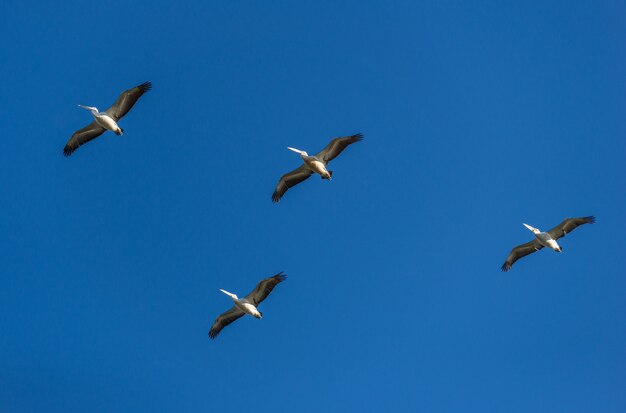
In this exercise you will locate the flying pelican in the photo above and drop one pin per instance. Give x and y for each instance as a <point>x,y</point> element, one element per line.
<point>313,164</point>
<point>545,239</point>
<point>106,120</point>
<point>246,305</point>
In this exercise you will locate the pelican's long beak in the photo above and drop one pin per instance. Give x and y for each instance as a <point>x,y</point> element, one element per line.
<point>297,151</point>
<point>531,228</point>
<point>231,295</point>
<point>87,107</point>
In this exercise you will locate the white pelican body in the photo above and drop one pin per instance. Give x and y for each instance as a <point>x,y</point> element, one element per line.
<point>545,239</point>
<point>318,167</point>
<point>315,164</point>
<point>103,119</point>
<point>244,305</point>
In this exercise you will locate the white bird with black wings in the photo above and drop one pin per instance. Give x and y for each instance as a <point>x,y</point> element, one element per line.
<point>545,239</point>
<point>246,305</point>
<point>313,164</point>
<point>106,120</point>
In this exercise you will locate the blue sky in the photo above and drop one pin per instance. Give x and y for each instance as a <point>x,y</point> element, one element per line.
<point>476,117</point>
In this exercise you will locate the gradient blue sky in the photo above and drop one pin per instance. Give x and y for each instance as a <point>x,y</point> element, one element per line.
<point>477,117</point>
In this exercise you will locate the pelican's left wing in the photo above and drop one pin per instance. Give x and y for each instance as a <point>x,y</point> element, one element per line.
<point>336,146</point>
<point>568,225</point>
<point>127,100</point>
<point>264,288</point>
<point>519,252</point>
<point>82,136</point>
<point>290,179</point>
<point>225,319</point>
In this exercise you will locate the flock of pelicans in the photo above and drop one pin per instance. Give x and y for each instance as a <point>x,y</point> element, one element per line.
<point>108,120</point>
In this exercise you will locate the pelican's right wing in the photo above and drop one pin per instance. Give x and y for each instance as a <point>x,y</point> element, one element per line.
<point>82,136</point>
<point>225,319</point>
<point>127,100</point>
<point>336,146</point>
<point>264,288</point>
<point>568,225</point>
<point>290,179</point>
<point>519,252</point>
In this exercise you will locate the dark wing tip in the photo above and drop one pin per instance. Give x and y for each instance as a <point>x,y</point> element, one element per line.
<point>212,334</point>
<point>279,191</point>
<point>145,86</point>
<point>358,137</point>
<point>590,219</point>
<point>68,150</point>
<point>281,276</point>
<point>506,266</point>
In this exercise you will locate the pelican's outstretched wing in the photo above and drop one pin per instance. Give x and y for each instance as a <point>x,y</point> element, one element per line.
<point>519,252</point>
<point>337,145</point>
<point>82,136</point>
<point>264,288</point>
<point>225,319</point>
<point>568,225</point>
<point>290,179</point>
<point>126,100</point>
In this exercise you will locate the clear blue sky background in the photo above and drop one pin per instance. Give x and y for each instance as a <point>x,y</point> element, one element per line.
<point>476,118</point>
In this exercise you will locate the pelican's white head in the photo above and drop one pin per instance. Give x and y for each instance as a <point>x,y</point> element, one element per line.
<point>533,229</point>
<point>93,108</point>
<point>302,153</point>
<point>231,295</point>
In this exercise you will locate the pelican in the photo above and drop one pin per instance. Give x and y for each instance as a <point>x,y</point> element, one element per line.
<point>246,305</point>
<point>106,120</point>
<point>313,164</point>
<point>545,239</point>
